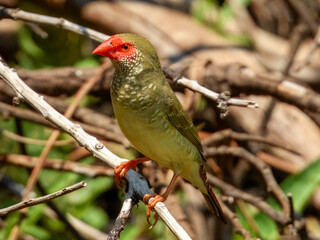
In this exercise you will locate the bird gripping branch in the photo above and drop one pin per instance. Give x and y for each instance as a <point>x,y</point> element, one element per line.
<point>152,118</point>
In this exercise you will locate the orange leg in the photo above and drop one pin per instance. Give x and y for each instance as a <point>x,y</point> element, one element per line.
<point>122,168</point>
<point>155,198</point>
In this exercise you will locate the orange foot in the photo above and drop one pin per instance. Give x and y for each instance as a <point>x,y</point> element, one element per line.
<point>121,169</point>
<point>155,198</point>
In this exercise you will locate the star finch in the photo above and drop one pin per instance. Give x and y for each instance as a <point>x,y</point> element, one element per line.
<point>150,115</point>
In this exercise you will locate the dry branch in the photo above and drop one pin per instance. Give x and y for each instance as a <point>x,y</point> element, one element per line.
<point>56,164</point>
<point>226,135</point>
<point>18,14</point>
<point>263,168</point>
<point>43,199</point>
<point>90,143</point>
<point>283,89</point>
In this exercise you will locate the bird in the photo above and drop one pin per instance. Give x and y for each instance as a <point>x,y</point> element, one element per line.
<point>152,118</point>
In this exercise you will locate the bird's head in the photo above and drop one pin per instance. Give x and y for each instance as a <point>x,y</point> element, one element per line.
<point>127,49</point>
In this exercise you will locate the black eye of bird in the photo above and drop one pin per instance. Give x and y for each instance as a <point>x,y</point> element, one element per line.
<point>125,46</point>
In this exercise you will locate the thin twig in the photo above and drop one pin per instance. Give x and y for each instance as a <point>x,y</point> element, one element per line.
<point>18,14</point>
<point>217,97</point>
<point>43,199</point>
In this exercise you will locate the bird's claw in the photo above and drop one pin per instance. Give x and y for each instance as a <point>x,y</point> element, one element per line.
<point>124,167</point>
<point>121,170</point>
<point>151,200</point>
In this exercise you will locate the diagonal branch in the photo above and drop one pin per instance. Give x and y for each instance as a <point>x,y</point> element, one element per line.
<point>89,142</point>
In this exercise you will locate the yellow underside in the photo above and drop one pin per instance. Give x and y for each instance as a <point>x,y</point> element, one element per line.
<point>161,142</point>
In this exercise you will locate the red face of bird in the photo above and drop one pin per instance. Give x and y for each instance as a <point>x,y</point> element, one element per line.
<point>116,48</point>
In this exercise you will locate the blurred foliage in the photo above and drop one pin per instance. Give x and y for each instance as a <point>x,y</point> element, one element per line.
<point>216,15</point>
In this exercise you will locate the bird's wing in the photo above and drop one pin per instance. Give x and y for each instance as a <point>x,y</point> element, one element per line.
<point>181,121</point>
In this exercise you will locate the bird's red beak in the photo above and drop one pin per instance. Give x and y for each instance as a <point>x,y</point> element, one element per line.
<point>105,49</point>
<point>116,48</point>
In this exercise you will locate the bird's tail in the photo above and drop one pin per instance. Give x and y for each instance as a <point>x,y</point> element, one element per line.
<point>210,198</point>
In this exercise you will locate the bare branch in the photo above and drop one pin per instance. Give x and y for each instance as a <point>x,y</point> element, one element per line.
<point>43,199</point>
<point>195,86</point>
<point>18,14</point>
<point>89,142</point>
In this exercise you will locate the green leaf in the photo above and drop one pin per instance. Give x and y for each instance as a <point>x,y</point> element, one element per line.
<point>28,45</point>
<point>267,227</point>
<point>8,145</point>
<point>36,231</point>
<point>303,185</point>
